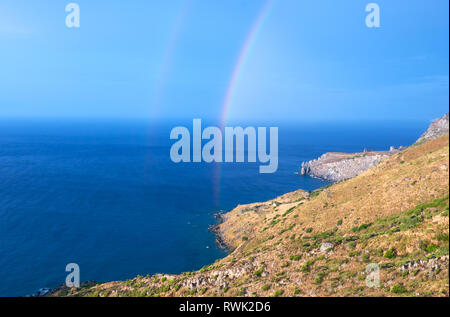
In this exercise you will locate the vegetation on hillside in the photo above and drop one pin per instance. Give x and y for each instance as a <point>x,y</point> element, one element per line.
<point>394,216</point>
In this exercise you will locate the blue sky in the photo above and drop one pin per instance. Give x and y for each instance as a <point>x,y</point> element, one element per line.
<point>309,60</point>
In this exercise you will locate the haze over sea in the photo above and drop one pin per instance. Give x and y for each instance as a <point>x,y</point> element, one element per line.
<point>105,194</point>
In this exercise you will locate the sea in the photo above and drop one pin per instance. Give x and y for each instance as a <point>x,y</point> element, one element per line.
<point>104,194</point>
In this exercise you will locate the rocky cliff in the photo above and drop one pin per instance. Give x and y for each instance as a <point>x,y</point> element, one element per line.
<point>339,166</point>
<point>438,128</point>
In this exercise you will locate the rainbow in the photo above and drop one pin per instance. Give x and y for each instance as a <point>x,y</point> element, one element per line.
<point>246,48</point>
<point>243,55</point>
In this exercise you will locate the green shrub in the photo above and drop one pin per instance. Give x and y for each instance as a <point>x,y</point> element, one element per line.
<point>266,287</point>
<point>361,227</point>
<point>259,272</point>
<point>390,254</point>
<point>288,211</point>
<point>426,246</point>
<point>366,257</point>
<point>442,237</point>
<point>398,289</point>
<point>441,251</point>
<point>278,293</point>
<point>319,277</point>
<point>431,248</point>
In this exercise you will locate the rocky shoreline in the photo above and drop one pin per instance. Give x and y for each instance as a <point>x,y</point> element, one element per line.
<point>215,229</point>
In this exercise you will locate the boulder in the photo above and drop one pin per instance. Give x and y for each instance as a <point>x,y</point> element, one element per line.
<point>326,247</point>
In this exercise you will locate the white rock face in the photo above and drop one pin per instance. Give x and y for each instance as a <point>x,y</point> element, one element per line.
<point>438,128</point>
<point>339,166</point>
<point>429,266</point>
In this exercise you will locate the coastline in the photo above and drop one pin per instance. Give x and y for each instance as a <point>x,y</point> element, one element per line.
<point>248,232</point>
<point>285,246</point>
<point>220,237</point>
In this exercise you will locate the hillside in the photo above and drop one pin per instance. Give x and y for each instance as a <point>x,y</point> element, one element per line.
<point>319,243</point>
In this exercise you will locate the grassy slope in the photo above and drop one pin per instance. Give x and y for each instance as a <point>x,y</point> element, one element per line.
<point>395,213</point>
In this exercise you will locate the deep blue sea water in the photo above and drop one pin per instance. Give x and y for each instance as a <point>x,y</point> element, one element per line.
<point>105,195</point>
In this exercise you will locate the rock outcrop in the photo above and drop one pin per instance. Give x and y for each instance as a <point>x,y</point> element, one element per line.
<point>335,167</point>
<point>431,266</point>
<point>339,166</point>
<point>438,128</point>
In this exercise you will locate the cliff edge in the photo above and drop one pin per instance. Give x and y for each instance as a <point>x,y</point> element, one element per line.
<point>336,167</point>
<point>438,128</point>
